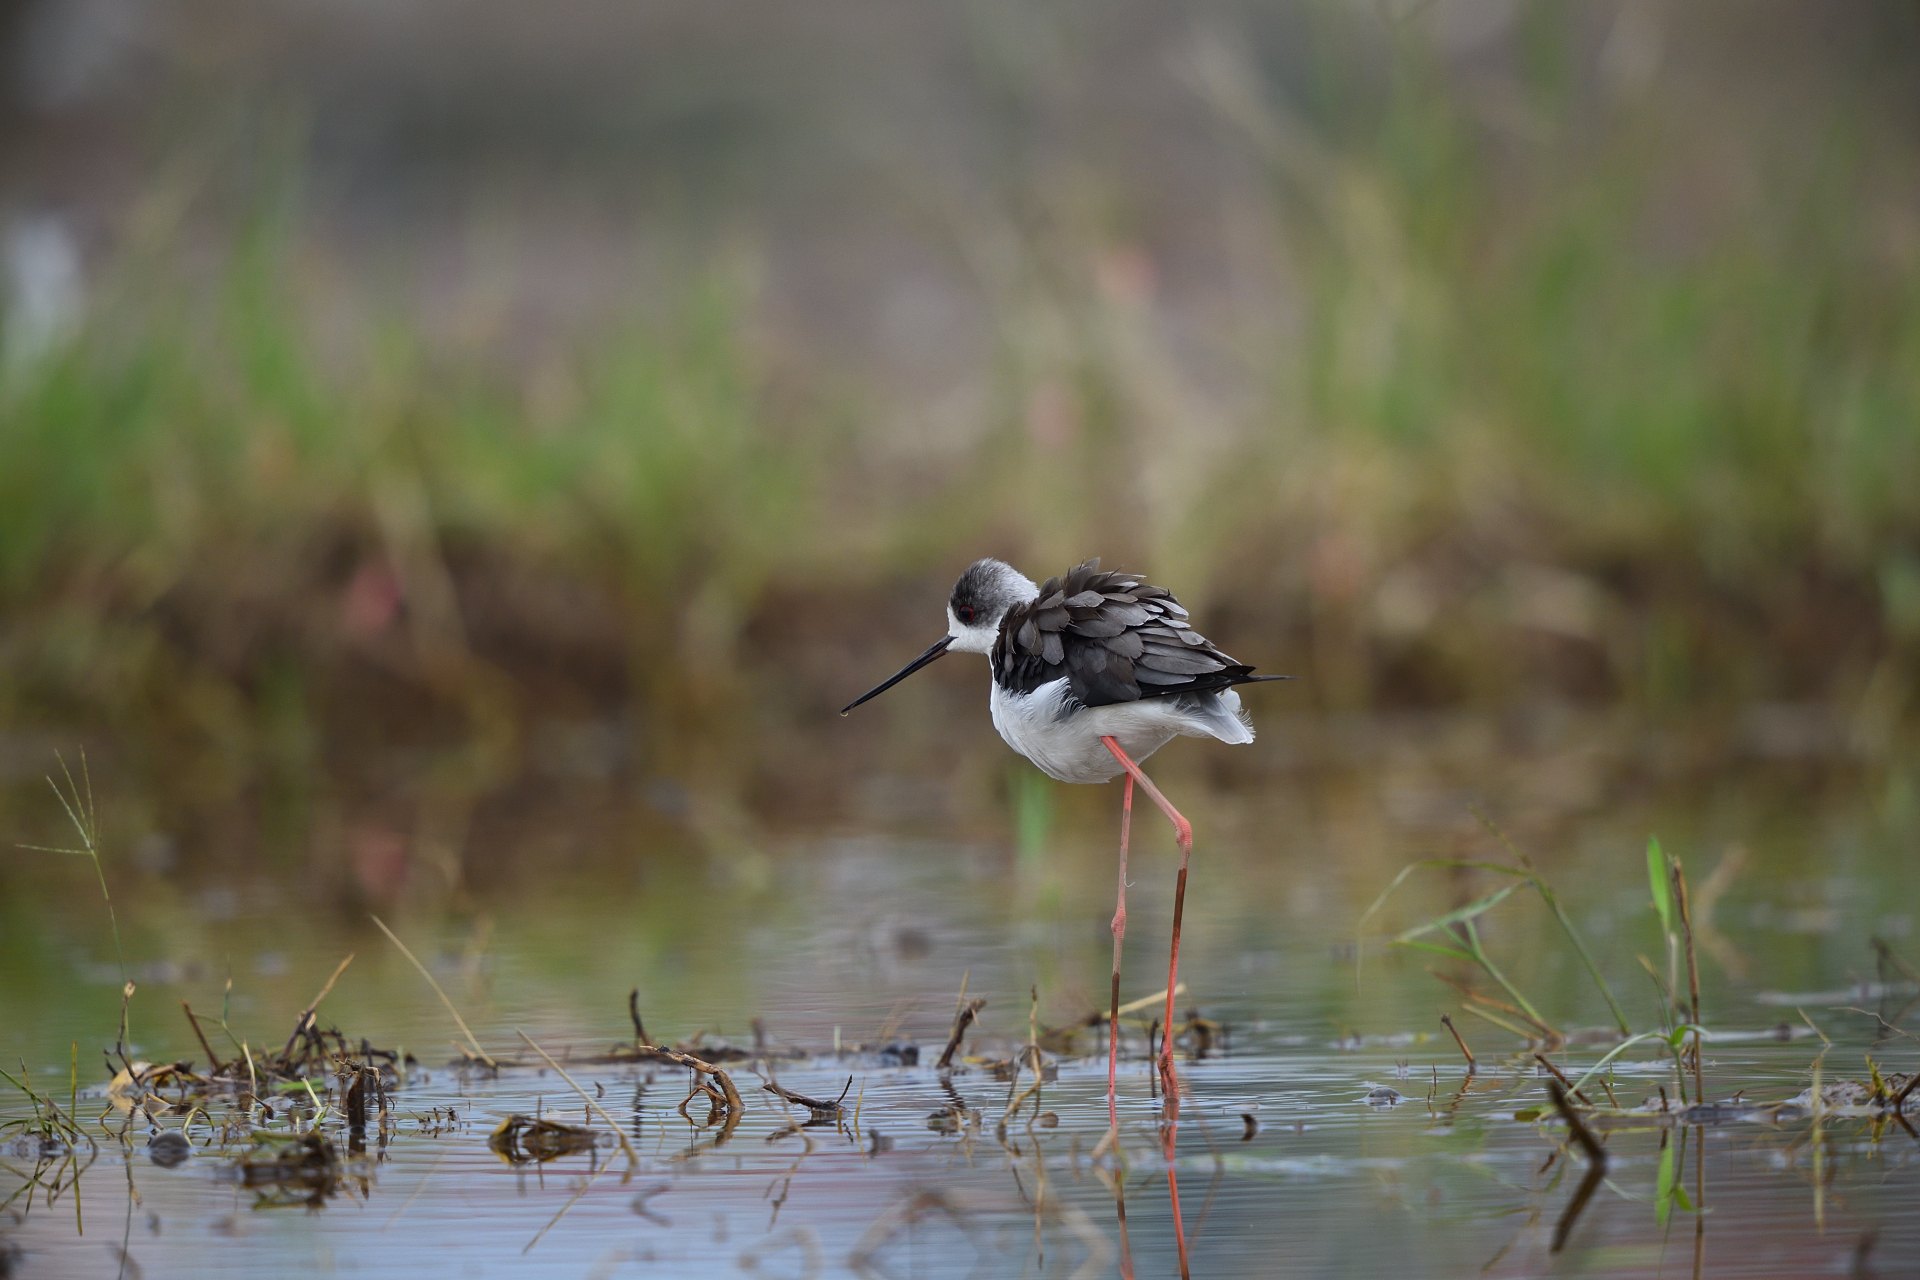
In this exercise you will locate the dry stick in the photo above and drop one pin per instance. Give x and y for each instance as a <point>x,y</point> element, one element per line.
<point>472,1043</point>
<point>1144,1002</point>
<point>1900,1099</point>
<point>300,1024</point>
<point>1030,1055</point>
<point>633,1157</point>
<point>1494,1019</point>
<point>1458,1039</point>
<point>356,1099</point>
<point>705,1068</point>
<point>213,1060</point>
<point>566,1208</point>
<point>120,1042</point>
<point>633,1011</point>
<point>1596,1164</point>
<point>812,1104</point>
<point>968,1014</point>
<point>1468,994</point>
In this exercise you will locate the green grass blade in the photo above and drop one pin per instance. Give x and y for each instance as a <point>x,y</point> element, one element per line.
<point>1615,1052</point>
<point>1452,953</point>
<point>1658,880</point>
<point>1438,864</point>
<point>1525,1005</point>
<point>1468,912</point>
<point>1586,956</point>
<point>1424,864</point>
<point>1513,1028</point>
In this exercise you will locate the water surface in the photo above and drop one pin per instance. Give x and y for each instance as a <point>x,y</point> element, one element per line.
<point>855,923</point>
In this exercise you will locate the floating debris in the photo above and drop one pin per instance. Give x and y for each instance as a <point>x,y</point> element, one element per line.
<point>1894,1093</point>
<point>822,1110</point>
<point>290,1169</point>
<point>524,1139</point>
<point>953,1118</point>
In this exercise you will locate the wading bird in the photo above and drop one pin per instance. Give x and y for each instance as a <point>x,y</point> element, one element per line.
<point>1092,673</point>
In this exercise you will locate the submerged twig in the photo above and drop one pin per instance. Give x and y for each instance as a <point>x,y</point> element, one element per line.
<point>1596,1164</point>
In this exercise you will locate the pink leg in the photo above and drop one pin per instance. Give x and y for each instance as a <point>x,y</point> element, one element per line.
<point>1119,932</point>
<point>1183,833</point>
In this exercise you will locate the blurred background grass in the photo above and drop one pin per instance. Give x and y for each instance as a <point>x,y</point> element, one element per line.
<point>581,381</point>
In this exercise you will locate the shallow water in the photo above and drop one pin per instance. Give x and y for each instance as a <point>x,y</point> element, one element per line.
<point>859,927</point>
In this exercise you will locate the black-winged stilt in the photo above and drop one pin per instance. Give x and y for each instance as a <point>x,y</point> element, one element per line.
<point>1092,673</point>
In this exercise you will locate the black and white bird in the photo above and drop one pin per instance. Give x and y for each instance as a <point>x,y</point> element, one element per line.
<point>1093,672</point>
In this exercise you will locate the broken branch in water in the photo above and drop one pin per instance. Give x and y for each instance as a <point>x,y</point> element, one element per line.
<point>968,1014</point>
<point>731,1095</point>
<point>1559,1075</point>
<point>213,1059</point>
<point>633,1011</point>
<point>304,1024</point>
<point>1447,1021</point>
<point>819,1106</point>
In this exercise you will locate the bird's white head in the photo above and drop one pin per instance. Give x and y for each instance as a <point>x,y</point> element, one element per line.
<point>981,599</point>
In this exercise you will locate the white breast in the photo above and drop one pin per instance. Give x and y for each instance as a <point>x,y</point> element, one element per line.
<point>1069,748</point>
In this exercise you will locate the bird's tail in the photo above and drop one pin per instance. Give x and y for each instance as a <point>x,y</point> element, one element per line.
<point>1220,716</point>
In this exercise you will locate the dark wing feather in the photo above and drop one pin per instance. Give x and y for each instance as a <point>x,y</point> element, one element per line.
<point>1114,638</point>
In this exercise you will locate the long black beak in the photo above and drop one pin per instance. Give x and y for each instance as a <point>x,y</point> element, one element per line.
<point>939,647</point>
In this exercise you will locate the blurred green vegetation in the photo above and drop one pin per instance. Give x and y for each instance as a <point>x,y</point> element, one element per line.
<point>1506,422</point>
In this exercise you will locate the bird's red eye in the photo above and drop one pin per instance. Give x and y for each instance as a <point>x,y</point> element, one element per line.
<point>965,614</point>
